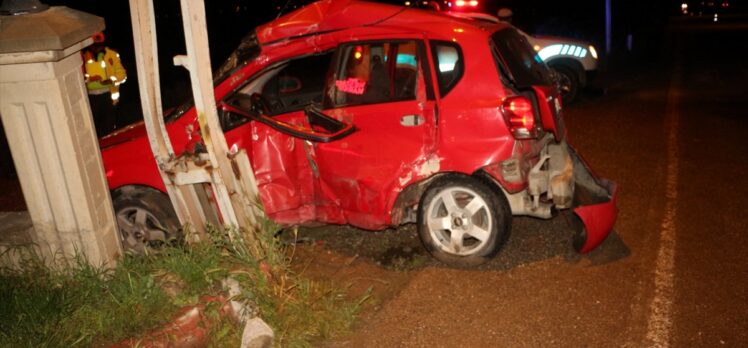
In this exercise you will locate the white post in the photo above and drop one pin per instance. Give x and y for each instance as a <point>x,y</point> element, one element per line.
<point>236,203</point>
<point>184,199</point>
<point>230,176</point>
<point>48,123</point>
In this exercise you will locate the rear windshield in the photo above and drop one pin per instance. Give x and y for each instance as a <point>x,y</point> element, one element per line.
<point>524,67</point>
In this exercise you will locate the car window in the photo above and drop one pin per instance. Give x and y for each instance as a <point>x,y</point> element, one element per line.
<point>375,73</point>
<point>524,65</point>
<point>449,64</point>
<point>292,85</point>
<point>288,86</point>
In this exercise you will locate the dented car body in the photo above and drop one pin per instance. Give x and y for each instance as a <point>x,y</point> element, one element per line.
<point>375,116</point>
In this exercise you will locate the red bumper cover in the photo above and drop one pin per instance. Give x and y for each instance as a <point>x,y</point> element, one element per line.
<point>594,205</point>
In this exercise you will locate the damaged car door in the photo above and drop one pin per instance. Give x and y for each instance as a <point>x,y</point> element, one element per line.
<point>282,103</point>
<point>336,136</point>
<point>381,88</point>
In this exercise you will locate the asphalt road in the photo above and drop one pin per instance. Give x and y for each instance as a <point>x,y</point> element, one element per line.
<point>674,274</point>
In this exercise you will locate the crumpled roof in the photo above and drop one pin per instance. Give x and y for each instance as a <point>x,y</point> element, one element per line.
<point>323,16</point>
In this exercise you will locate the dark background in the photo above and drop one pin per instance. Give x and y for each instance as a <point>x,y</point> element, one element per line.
<point>229,20</point>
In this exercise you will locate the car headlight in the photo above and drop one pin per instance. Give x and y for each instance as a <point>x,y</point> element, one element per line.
<point>593,52</point>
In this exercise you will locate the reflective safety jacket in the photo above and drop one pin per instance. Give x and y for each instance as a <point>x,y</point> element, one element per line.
<point>104,72</point>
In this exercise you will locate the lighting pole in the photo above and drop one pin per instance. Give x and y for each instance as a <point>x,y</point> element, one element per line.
<point>608,26</point>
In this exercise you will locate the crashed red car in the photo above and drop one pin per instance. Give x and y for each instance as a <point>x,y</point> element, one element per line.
<point>376,116</point>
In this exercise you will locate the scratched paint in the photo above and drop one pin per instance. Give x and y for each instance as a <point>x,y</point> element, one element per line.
<point>429,167</point>
<point>404,180</point>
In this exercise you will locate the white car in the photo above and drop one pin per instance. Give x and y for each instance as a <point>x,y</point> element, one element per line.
<point>573,60</point>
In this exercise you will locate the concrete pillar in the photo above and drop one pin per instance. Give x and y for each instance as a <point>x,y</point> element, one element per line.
<point>47,118</point>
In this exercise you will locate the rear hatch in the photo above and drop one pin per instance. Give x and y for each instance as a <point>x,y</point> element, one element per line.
<point>525,73</point>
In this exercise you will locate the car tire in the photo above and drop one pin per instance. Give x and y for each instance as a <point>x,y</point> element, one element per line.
<point>145,219</point>
<point>462,222</point>
<point>568,83</point>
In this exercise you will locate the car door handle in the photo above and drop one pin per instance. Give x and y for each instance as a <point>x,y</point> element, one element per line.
<point>411,120</point>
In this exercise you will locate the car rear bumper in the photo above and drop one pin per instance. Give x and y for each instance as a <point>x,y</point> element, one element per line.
<point>595,205</point>
<point>562,180</point>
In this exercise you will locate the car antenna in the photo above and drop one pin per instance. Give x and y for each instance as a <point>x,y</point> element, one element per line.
<point>283,9</point>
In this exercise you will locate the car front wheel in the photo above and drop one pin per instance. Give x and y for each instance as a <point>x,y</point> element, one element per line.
<point>462,222</point>
<point>145,218</point>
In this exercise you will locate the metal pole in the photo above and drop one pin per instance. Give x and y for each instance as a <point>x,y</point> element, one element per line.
<point>229,176</point>
<point>608,26</point>
<point>236,202</point>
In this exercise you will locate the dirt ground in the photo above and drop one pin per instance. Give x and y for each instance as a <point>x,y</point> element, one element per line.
<point>410,292</point>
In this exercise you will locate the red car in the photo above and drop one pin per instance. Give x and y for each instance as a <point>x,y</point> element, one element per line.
<point>375,116</point>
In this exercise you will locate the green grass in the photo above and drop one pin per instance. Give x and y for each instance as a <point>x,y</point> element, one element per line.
<point>80,305</point>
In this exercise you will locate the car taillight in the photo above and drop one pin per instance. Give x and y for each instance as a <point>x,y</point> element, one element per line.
<point>465,3</point>
<point>519,116</point>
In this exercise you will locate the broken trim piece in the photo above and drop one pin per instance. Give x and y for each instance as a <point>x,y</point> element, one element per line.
<point>595,202</point>
<point>334,129</point>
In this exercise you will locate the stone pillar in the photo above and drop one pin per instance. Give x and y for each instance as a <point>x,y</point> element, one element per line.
<point>47,118</point>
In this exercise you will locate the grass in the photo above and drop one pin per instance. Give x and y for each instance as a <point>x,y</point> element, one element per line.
<point>80,305</point>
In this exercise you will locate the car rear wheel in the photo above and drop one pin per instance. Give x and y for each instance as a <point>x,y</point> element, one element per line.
<point>568,83</point>
<point>145,219</point>
<point>462,222</point>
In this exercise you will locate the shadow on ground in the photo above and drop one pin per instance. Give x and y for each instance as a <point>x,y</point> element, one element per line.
<point>532,240</point>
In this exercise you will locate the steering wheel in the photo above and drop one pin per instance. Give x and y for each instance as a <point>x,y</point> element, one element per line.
<point>259,104</point>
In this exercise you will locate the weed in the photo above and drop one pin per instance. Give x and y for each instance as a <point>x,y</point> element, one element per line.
<point>300,311</point>
<point>78,305</point>
<point>81,305</point>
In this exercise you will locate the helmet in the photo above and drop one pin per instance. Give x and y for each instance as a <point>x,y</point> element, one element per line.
<point>504,13</point>
<point>98,37</point>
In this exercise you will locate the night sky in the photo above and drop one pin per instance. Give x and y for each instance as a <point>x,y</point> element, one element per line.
<point>229,20</point>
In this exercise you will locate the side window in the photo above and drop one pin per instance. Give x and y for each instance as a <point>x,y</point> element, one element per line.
<point>375,73</point>
<point>289,86</point>
<point>450,64</point>
<point>300,83</point>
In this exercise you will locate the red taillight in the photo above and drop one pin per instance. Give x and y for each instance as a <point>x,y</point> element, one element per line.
<point>463,3</point>
<point>519,116</point>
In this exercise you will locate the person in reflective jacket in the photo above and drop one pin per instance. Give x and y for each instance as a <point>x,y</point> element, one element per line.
<point>104,74</point>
